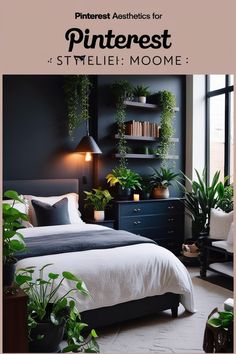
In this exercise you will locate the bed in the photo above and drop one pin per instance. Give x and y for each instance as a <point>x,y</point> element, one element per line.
<point>125,282</point>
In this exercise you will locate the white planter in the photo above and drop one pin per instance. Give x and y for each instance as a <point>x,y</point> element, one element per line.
<point>99,215</point>
<point>142,99</point>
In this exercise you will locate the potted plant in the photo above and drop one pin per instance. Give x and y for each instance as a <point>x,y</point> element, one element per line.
<point>141,92</point>
<point>146,187</point>
<point>12,239</point>
<point>98,199</point>
<point>161,180</point>
<point>126,180</point>
<point>52,315</point>
<point>200,199</point>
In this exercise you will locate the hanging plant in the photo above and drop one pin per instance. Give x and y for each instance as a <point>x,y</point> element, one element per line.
<point>122,90</point>
<point>77,90</point>
<point>168,102</point>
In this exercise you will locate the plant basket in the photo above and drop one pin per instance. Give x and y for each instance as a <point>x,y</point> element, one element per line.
<point>217,339</point>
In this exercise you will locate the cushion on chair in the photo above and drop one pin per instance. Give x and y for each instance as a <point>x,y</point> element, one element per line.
<point>220,223</point>
<point>223,245</point>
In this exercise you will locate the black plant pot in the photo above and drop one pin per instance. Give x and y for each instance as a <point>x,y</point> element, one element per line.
<point>53,336</point>
<point>8,273</point>
<point>124,193</point>
<point>145,195</point>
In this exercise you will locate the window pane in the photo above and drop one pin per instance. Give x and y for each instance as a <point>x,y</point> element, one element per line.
<point>231,136</point>
<point>231,79</point>
<point>217,82</point>
<point>217,135</point>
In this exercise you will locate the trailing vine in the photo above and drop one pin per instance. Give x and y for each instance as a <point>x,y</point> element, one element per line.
<point>168,103</point>
<point>122,90</point>
<point>77,90</point>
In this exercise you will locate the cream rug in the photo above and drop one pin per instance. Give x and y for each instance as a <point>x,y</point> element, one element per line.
<point>162,333</point>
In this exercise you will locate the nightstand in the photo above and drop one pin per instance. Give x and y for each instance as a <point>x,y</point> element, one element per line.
<point>107,223</point>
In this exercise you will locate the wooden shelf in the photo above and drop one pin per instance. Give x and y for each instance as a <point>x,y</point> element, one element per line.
<point>150,106</point>
<point>147,156</point>
<point>145,138</point>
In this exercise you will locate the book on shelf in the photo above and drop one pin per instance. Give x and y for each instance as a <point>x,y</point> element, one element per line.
<point>138,128</point>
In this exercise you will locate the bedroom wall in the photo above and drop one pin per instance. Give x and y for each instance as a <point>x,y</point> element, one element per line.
<point>107,127</point>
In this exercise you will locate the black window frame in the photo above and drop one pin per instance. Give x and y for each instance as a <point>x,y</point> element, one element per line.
<point>226,90</point>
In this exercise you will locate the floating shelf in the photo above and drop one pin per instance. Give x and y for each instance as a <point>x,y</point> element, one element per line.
<point>147,156</point>
<point>145,138</point>
<point>145,105</point>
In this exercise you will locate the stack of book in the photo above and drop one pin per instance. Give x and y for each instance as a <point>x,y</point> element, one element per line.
<point>137,128</point>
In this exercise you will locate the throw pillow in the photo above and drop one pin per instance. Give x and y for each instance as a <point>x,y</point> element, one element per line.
<point>220,224</point>
<point>56,214</point>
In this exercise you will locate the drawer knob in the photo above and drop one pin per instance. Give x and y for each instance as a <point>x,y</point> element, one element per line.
<point>171,219</point>
<point>170,231</point>
<point>137,222</point>
<point>136,210</point>
<point>170,207</point>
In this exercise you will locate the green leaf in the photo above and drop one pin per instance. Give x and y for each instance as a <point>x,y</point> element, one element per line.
<point>93,333</point>
<point>70,276</point>
<point>13,195</point>
<point>53,275</point>
<point>22,279</point>
<point>17,245</point>
<point>214,322</point>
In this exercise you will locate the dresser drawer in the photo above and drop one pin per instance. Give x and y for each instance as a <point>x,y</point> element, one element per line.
<point>144,208</point>
<point>161,233</point>
<point>157,221</point>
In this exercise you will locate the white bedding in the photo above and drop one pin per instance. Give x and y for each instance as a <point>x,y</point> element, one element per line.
<point>116,275</point>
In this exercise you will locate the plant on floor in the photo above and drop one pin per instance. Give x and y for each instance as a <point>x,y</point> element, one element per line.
<point>77,90</point>
<point>161,180</point>
<point>201,199</point>
<point>227,202</point>
<point>98,198</point>
<point>167,101</point>
<point>13,240</point>
<point>122,90</point>
<point>46,304</point>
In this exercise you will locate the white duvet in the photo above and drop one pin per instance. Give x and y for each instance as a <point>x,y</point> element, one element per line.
<point>116,275</point>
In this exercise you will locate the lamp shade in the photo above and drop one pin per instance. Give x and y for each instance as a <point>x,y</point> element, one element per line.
<point>88,144</point>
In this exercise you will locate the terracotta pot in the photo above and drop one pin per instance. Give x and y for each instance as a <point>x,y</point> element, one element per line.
<point>161,193</point>
<point>99,215</point>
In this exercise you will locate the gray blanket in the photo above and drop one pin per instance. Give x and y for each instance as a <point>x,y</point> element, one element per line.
<point>79,241</point>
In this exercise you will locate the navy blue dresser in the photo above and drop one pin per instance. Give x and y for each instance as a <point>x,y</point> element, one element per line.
<point>159,219</point>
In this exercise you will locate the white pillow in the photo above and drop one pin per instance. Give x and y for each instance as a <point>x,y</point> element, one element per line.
<point>220,224</point>
<point>230,237</point>
<point>73,198</point>
<point>22,208</point>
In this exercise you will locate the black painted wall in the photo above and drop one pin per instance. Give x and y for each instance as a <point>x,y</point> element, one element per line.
<point>36,143</point>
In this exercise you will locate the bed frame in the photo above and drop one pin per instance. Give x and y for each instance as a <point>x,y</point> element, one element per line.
<point>106,315</point>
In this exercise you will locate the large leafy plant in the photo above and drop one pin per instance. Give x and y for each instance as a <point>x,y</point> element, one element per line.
<point>125,177</point>
<point>12,239</point>
<point>227,202</point>
<point>201,198</point>
<point>45,303</point>
<point>162,178</point>
<point>98,198</point>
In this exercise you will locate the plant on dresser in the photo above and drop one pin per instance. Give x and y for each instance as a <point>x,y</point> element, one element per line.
<point>161,180</point>
<point>98,199</point>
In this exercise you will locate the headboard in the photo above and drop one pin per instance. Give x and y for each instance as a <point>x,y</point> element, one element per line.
<point>43,187</point>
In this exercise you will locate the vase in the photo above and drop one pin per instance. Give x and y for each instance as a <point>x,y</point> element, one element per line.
<point>161,193</point>
<point>124,193</point>
<point>142,99</point>
<point>99,215</point>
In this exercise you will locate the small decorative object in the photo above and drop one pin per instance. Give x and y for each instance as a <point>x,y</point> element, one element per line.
<point>201,199</point>
<point>136,197</point>
<point>126,180</point>
<point>218,336</point>
<point>12,239</point>
<point>51,315</point>
<point>160,181</point>
<point>98,199</point>
<point>141,92</point>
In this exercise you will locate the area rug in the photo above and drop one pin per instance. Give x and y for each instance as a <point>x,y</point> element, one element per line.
<point>162,334</point>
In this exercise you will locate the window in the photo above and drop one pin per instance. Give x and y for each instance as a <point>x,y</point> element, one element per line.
<point>220,121</point>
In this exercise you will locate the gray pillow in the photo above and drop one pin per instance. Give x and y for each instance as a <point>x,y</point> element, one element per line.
<point>56,214</point>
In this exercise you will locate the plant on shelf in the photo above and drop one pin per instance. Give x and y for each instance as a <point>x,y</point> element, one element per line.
<point>52,311</point>
<point>13,240</point>
<point>98,199</point>
<point>200,199</point>
<point>141,92</point>
<point>167,102</point>
<point>161,180</point>
<point>122,90</point>
<point>77,90</point>
<point>126,180</point>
